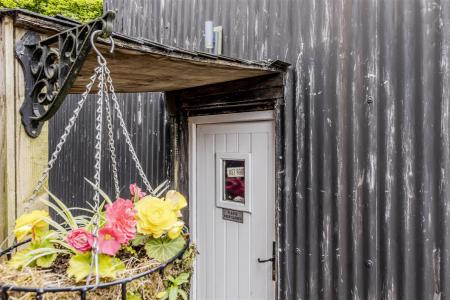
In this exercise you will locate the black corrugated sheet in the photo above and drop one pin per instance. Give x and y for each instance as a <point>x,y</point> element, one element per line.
<point>145,119</point>
<point>367,212</point>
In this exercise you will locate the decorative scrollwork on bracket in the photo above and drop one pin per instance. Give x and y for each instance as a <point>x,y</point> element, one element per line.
<point>51,67</point>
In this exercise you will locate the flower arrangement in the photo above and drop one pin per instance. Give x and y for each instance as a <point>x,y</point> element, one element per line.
<point>144,227</point>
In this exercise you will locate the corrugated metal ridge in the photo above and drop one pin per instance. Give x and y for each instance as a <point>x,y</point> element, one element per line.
<point>136,43</point>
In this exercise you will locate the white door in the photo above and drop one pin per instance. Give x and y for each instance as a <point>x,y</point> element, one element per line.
<point>234,210</point>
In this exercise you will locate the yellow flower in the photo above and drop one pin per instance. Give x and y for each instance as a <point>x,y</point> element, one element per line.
<point>32,223</point>
<point>177,201</point>
<point>175,231</point>
<point>154,216</point>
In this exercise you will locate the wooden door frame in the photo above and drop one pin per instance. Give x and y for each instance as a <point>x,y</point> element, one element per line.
<point>258,94</point>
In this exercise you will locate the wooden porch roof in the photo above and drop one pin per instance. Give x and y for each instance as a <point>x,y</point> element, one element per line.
<point>141,65</point>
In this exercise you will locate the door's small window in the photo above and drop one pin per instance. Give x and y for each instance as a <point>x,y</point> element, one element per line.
<point>234,180</point>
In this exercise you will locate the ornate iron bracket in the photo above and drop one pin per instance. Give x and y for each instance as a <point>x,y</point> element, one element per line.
<point>51,67</point>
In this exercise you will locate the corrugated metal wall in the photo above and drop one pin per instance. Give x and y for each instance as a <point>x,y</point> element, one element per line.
<point>145,118</point>
<point>368,133</point>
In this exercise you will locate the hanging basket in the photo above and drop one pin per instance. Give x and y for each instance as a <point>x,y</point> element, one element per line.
<point>134,248</point>
<point>116,287</point>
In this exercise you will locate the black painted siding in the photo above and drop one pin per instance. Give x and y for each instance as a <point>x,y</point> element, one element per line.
<point>145,118</point>
<point>367,134</point>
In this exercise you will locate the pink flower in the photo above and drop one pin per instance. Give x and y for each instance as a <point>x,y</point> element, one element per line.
<point>108,241</point>
<point>134,189</point>
<point>120,215</point>
<point>80,239</point>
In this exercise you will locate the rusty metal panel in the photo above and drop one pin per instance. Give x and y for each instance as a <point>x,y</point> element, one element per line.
<point>367,133</point>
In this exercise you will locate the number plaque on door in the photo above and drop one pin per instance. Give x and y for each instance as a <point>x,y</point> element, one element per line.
<point>233,215</point>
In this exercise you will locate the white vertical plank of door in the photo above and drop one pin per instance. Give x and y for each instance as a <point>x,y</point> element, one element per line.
<point>259,216</point>
<point>232,240</point>
<point>245,232</point>
<point>220,232</point>
<point>205,245</point>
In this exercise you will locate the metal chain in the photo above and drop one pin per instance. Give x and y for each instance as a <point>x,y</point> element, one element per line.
<point>98,136</point>
<point>97,175</point>
<point>112,148</point>
<point>62,139</point>
<point>125,132</point>
<point>100,72</point>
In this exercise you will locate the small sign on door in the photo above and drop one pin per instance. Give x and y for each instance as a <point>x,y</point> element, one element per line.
<point>233,215</point>
<point>236,172</point>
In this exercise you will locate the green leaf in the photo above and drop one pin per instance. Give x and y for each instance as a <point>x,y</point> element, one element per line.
<point>102,193</point>
<point>133,296</point>
<point>19,259</point>
<point>63,244</point>
<point>63,210</point>
<point>90,211</point>
<point>162,295</point>
<point>55,225</point>
<point>160,189</point>
<point>182,278</point>
<point>173,293</point>
<point>46,261</point>
<point>163,249</point>
<point>83,10</point>
<point>130,250</point>
<point>40,252</point>
<point>43,257</point>
<point>36,254</point>
<point>183,294</point>
<point>171,279</point>
<point>139,240</point>
<point>80,265</point>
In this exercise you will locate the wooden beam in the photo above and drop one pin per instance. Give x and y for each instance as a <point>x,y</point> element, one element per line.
<point>31,153</point>
<point>21,158</point>
<point>140,70</point>
<point>8,147</point>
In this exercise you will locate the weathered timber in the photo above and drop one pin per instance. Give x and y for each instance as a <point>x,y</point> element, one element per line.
<point>31,153</point>
<point>259,93</point>
<point>140,65</point>
<point>8,135</point>
<point>21,158</point>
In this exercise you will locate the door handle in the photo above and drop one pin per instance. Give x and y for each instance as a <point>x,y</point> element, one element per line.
<point>272,260</point>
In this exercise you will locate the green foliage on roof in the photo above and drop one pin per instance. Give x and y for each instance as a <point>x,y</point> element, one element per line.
<point>82,10</point>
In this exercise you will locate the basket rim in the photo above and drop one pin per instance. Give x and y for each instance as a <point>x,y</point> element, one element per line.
<point>86,288</point>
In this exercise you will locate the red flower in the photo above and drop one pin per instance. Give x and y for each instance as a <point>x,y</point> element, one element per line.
<point>235,186</point>
<point>108,241</point>
<point>80,239</point>
<point>120,215</point>
<point>135,190</point>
